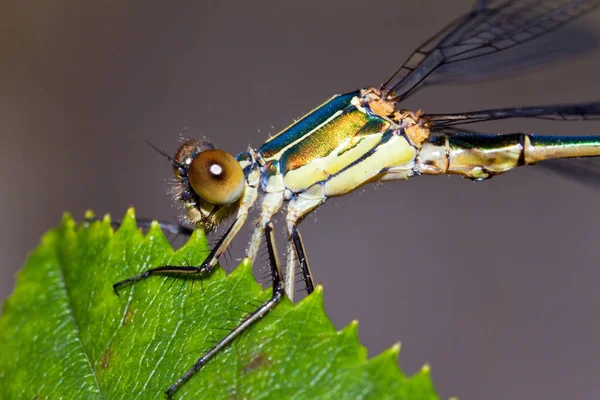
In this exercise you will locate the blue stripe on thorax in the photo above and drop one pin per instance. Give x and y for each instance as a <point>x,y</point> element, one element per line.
<point>305,125</point>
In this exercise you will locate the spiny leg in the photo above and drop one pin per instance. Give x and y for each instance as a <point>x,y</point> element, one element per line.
<point>261,311</point>
<point>298,207</point>
<point>213,257</point>
<point>296,240</point>
<point>190,270</point>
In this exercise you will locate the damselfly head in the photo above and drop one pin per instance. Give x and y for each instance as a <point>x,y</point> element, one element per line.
<point>210,182</point>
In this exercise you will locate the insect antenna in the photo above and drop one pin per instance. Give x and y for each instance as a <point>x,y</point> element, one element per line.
<point>167,156</point>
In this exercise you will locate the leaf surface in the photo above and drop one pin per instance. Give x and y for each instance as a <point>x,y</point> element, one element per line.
<point>65,334</point>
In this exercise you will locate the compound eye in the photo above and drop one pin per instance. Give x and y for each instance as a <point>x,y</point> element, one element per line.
<point>216,176</point>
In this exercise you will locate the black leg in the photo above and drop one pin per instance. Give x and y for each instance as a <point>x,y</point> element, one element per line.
<point>301,253</point>
<point>160,270</point>
<point>278,293</point>
<point>204,268</point>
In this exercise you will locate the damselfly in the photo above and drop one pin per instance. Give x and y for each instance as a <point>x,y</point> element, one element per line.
<point>366,136</point>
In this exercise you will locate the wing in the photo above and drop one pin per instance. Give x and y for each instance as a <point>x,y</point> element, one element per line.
<point>490,27</point>
<point>567,112</point>
<point>586,171</point>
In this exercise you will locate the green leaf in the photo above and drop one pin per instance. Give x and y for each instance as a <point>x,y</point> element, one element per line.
<point>65,334</point>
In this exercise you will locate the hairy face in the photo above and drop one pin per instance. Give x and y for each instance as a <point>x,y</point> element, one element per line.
<point>210,183</point>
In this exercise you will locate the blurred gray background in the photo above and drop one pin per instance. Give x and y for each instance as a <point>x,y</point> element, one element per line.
<point>495,284</point>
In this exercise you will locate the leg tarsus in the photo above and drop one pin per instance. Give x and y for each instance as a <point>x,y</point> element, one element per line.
<point>165,269</point>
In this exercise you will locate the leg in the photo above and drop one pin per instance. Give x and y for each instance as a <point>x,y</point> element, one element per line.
<point>298,246</point>
<point>297,209</point>
<point>290,268</point>
<point>278,293</point>
<point>175,268</point>
<point>250,195</point>
<point>270,205</point>
<point>213,257</point>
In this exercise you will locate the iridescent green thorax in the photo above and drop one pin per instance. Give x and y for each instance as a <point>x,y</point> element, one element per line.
<point>335,137</point>
<point>342,128</point>
<point>303,127</point>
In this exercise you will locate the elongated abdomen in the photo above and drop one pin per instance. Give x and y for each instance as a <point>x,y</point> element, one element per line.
<point>478,156</point>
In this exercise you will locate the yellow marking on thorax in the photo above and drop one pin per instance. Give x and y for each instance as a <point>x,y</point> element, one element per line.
<point>395,152</point>
<point>277,155</point>
<point>320,169</point>
<point>324,140</point>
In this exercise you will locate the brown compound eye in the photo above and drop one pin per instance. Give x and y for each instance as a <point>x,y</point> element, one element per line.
<point>216,176</point>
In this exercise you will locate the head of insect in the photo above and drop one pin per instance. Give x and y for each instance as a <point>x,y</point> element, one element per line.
<point>209,183</point>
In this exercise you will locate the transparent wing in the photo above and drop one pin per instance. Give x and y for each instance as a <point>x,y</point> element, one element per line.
<point>583,170</point>
<point>490,27</point>
<point>566,112</point>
